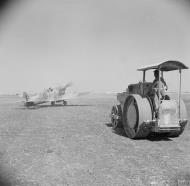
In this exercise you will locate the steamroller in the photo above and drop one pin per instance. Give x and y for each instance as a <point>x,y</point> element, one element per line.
<point>143,109</point>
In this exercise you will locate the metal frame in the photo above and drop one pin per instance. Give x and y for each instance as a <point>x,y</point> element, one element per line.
<point>159,93</point>
<point>179,92</point>
<point>159,79</point>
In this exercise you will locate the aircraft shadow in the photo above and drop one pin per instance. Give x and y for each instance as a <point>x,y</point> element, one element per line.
<point>51,106</point>
<point>152,137</point>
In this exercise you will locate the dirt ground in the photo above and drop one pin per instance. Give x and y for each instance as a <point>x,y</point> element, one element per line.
<point>75,146</point>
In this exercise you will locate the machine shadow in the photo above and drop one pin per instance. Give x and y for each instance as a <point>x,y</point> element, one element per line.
<point>158,137</point>
<point>4,4</point>
<point>152,137</point>
<point>6,179</point>
<point>119,131</point>
<point>4,182</point>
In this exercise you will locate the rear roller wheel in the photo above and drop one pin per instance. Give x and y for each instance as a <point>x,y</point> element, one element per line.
<point>116,116</point>
<point>177,133</point>
<point>136,111</point>
<point>183,115</point>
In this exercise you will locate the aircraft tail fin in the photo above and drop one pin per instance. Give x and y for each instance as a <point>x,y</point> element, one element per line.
<point>63,89</point>
<point>25,96</point>
<point>68,85</point>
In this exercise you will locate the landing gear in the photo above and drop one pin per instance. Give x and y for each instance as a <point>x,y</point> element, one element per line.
<point>52,103</point>
<point>64,102</point>
<point>29,104</point>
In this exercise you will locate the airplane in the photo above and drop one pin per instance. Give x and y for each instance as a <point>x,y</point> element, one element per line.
<point>56,95</point>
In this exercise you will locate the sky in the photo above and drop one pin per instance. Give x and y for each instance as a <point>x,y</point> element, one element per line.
<point>96,44</point>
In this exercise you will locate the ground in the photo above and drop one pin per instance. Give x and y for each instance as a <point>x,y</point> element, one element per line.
<point>75,146</point>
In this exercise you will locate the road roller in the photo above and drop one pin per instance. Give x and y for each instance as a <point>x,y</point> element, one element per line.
<point>145,108</point>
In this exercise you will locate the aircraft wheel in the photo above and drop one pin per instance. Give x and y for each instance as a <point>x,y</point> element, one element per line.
<point>116,116</point>
<point>29,104</point>
<point>136,110</point>
<point>52,103</point>
<point>64,102</point>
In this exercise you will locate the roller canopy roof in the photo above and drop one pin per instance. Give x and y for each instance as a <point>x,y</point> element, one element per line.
<point>165,66</point>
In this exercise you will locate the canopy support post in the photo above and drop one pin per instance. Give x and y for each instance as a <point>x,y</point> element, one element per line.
<point>179,92</point>
<point>144,72</point>
<point>159,78</point>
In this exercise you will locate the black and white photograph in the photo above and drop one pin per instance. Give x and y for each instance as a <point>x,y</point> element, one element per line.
<point>94,93</point>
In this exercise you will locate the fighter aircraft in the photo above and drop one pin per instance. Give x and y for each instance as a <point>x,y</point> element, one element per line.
<point>52,95</point>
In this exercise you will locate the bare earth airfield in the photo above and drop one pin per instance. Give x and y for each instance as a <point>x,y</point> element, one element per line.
<point>74,145</point>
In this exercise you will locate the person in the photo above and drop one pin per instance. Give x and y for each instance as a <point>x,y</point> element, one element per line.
<point>156,93</point>
<point>163,85</point>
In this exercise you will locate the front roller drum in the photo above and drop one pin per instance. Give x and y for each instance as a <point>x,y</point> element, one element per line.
<point>136,111</point>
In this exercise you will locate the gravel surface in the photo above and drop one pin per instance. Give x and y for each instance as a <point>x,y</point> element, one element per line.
<point>74,145</point>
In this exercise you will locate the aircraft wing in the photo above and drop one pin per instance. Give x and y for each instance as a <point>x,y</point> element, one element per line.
<point>67,96</point>
<point>55,97</point>
<point>20,101</point>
